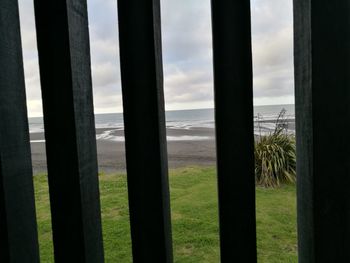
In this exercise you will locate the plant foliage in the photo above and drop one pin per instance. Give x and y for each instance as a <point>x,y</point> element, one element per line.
<point>275,156</point>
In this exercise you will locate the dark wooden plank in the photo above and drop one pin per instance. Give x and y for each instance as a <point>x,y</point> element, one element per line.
<point>64,59</point>
<point>234,132</point>
<point>322,89</point>
<point>146,151</point>
<point>18,229</point>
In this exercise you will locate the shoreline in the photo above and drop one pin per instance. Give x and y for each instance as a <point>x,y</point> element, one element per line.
<point>182,150</point>
<point>193,146</point>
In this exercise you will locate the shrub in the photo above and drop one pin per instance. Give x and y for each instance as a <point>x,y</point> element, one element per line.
<point>275,157</point>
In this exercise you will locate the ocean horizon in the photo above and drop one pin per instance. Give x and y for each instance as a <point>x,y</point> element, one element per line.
<point>107,124</point>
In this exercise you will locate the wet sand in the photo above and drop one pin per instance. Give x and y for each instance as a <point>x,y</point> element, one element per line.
<point>111,154</point>
<point>195,146</point>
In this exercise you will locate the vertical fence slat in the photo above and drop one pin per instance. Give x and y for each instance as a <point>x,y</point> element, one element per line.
<point>18,229</point>
<point>64,59</point>
<point>234,132</point>
<point>146,153</point>
<point>322,89</point>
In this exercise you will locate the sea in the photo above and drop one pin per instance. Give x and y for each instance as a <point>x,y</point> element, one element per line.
<point>265,118</point>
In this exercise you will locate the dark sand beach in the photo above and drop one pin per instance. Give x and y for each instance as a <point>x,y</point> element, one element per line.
<point>186,147</point>
<point>190,136</point>
<point>195,146</point>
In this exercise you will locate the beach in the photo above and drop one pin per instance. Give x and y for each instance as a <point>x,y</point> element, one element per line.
<point>190,137</point>
<point>185,148</point>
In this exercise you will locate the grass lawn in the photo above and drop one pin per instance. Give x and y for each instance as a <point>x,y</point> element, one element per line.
<point>194,218</point>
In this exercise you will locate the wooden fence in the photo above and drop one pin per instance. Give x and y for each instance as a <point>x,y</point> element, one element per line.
<point>322,81</point>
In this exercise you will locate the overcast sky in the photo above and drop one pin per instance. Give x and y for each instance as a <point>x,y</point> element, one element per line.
<point>187,54</point>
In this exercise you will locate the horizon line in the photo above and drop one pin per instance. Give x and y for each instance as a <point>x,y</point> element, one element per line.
<point>120,112</point>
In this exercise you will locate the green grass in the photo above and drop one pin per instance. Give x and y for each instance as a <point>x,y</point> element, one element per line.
<point>194,218</point>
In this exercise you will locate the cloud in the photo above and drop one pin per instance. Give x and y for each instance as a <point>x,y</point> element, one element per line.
<point>190,86</point>
<point>30,58</point>
<point>272,31</point>
<point>187,53</point>
<point>186,31</point>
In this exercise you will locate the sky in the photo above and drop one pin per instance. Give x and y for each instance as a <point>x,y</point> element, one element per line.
<point>187,54</point>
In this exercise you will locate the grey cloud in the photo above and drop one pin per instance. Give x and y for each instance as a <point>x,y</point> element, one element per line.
<point>187,53</point>
<point>111,102</point>
<point>187,48</point>
<point>186,30</point>
<point>272,28</point>
<point>104,74</point>
<point>192,86</point>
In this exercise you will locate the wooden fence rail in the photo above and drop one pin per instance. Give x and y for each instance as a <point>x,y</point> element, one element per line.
<point>18,230</point>
<point>322,79</point>
<point>64,60</point>
<point>145,135</point>
<point>322,62</point>
<point>233,86</point>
